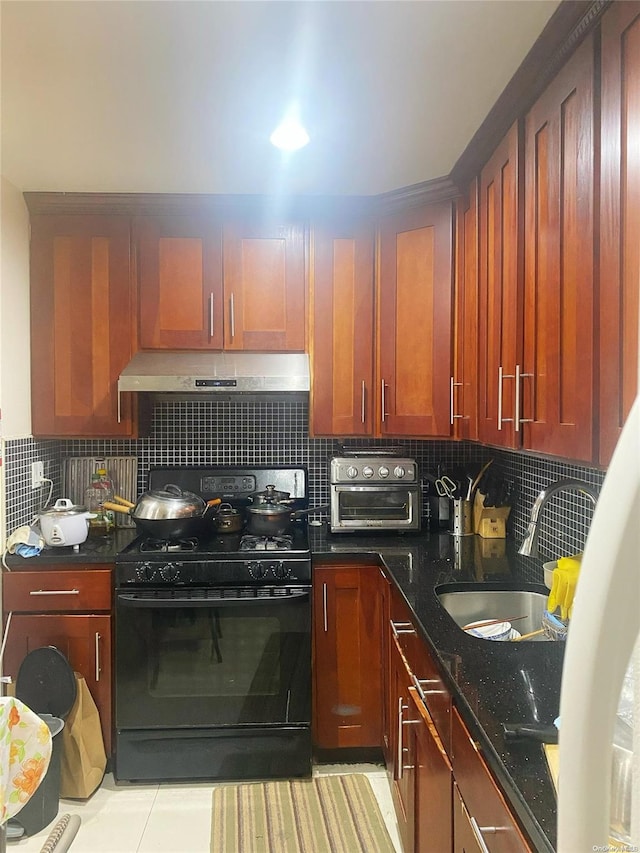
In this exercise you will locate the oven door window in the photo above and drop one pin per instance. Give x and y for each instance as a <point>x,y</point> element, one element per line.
<point>373,503</point>
<point>239,662</point>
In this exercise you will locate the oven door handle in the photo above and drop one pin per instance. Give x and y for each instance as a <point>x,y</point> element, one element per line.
<point>132,600</point>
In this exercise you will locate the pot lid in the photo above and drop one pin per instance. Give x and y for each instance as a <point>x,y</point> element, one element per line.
<point>64,507</point>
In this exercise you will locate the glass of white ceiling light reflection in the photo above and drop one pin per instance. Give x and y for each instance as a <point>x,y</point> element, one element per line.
<point>289,135</point>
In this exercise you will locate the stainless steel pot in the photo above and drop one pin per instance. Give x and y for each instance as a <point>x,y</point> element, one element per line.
<point>168,513</point>
<point>275,519</point>
<point>228,519</point>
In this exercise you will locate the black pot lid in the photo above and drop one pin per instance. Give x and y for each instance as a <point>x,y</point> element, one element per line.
<point>46,682</point>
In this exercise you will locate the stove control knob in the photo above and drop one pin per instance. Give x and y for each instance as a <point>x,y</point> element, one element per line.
<point>257,570</point>
<point>399,472</point>
<point>352,472</point>
<point>383,472</point>
<point>145,571</point>
<point>367,472</point>
<point>170,572</point>
<point>281,570</point>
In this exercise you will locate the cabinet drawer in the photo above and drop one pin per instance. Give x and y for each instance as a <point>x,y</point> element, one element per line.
<point>482,797</point>
<point>46,591</point>
<point>436,695</point>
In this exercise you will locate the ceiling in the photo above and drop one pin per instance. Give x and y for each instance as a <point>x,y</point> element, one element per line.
<point>180,97</point>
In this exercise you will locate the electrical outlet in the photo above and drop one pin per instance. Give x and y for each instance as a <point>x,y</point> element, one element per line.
<point>37,474</point>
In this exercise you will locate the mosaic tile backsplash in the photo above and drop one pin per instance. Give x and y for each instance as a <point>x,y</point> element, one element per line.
<point>275,432</point>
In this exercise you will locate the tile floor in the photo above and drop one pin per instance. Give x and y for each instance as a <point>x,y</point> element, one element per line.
<point>167,818</point>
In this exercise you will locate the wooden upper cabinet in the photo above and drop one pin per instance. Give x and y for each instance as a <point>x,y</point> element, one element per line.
<point>180,282</point>
<point>619,220</point>
<point>81,325</point>
<point>500,310</point>
<point>264,285</point>
<point>415,322</point>
<point>342,285</point>
<point>557,372</point>
<point>464,380</point>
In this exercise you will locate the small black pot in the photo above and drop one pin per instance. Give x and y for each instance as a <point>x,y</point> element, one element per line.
<point>228,519</point>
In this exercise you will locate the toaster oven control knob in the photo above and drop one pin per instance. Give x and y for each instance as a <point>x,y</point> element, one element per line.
<point>170,572</point>
<point>367,472</point>
<point>383,472</point>
<point>257,570</point>
<point>399,472</point>
<point>352,472</point>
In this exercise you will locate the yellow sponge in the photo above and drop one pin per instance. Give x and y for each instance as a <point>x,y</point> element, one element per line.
<point>565,578</point>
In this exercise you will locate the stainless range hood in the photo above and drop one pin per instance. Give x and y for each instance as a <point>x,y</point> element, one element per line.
<point>169,372</point>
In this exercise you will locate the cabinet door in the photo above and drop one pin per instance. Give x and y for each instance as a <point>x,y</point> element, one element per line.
<point>500,321</point>
<point>402,719</point>
<point>465,834</point>
<point>434,780</point>
<point>180,282</point>
<point>342,328</point>
<point>264,286</point>
<point>464,380</point>
<point>415,322</point>
<point>482,797</point>
<point>84,640</point>
<point>619,220</point>
<point>349,608</point>
<point>558,361</point>
<point>81,325</point>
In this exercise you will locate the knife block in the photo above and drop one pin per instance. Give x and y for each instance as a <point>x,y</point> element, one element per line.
<point>489,522</point>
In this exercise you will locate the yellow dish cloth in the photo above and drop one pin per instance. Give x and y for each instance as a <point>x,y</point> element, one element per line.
<point>563,585</point>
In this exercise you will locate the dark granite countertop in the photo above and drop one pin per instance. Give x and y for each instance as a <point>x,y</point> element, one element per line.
<point>96,549</point>
<point>492,683</point>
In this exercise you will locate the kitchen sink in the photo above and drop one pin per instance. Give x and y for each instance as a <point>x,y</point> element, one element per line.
<point>476,603</point>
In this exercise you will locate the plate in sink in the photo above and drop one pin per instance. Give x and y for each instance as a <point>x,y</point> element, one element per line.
<point>500,631</point>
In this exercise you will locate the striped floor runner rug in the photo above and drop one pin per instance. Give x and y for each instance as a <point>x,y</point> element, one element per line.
<point>327,814</point>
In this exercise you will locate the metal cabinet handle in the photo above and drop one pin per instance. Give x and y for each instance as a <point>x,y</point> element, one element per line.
<point>363,403</point>
<point>211,315</point>
<point>501,377</point>
<point>424,692</point>
<point>383,401</point>
<point>453,416</point>
<point>98,669</point>
<point>54,592</point>
<point>478,830</point>
<point>232,316</point>
<point>401,628</point>
<point>324,607</point>
<point>517,420</point>
<point>401,707</point>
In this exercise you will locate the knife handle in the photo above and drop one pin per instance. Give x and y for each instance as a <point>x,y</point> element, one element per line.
<point>532,731</point>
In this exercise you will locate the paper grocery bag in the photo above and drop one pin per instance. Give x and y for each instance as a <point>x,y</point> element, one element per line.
<point>83,759</point>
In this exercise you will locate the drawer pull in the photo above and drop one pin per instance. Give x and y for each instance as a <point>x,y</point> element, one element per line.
<point>98,669</point>
<point>54,592</point>
<point>477,831</point>
<point>402,628</point>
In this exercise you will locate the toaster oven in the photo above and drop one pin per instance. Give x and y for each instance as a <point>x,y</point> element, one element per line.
<point>374,492</point>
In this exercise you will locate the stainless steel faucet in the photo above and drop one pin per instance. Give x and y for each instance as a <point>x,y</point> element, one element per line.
<point>529,545</point>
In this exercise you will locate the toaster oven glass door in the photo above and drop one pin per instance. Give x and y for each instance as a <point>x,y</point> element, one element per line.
<point>384,507</point>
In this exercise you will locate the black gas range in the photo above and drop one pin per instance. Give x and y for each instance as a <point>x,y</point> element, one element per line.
<point>213,643</point>
<point>214,558</point>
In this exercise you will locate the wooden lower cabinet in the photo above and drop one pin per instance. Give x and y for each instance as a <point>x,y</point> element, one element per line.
<point>433,780</point>
<point>349,605</point>
<point>483,800</point>
<point>465,833</point>
<point>403,775</point>
<point>49,608</point>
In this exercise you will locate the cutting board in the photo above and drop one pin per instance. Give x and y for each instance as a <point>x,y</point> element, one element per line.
<point>552,753</point>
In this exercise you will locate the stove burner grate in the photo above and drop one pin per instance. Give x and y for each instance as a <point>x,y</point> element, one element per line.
<point>153,546</point>
<point>266,543</point>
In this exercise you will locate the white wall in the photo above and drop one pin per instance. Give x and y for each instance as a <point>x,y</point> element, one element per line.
<point>15,360</point>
